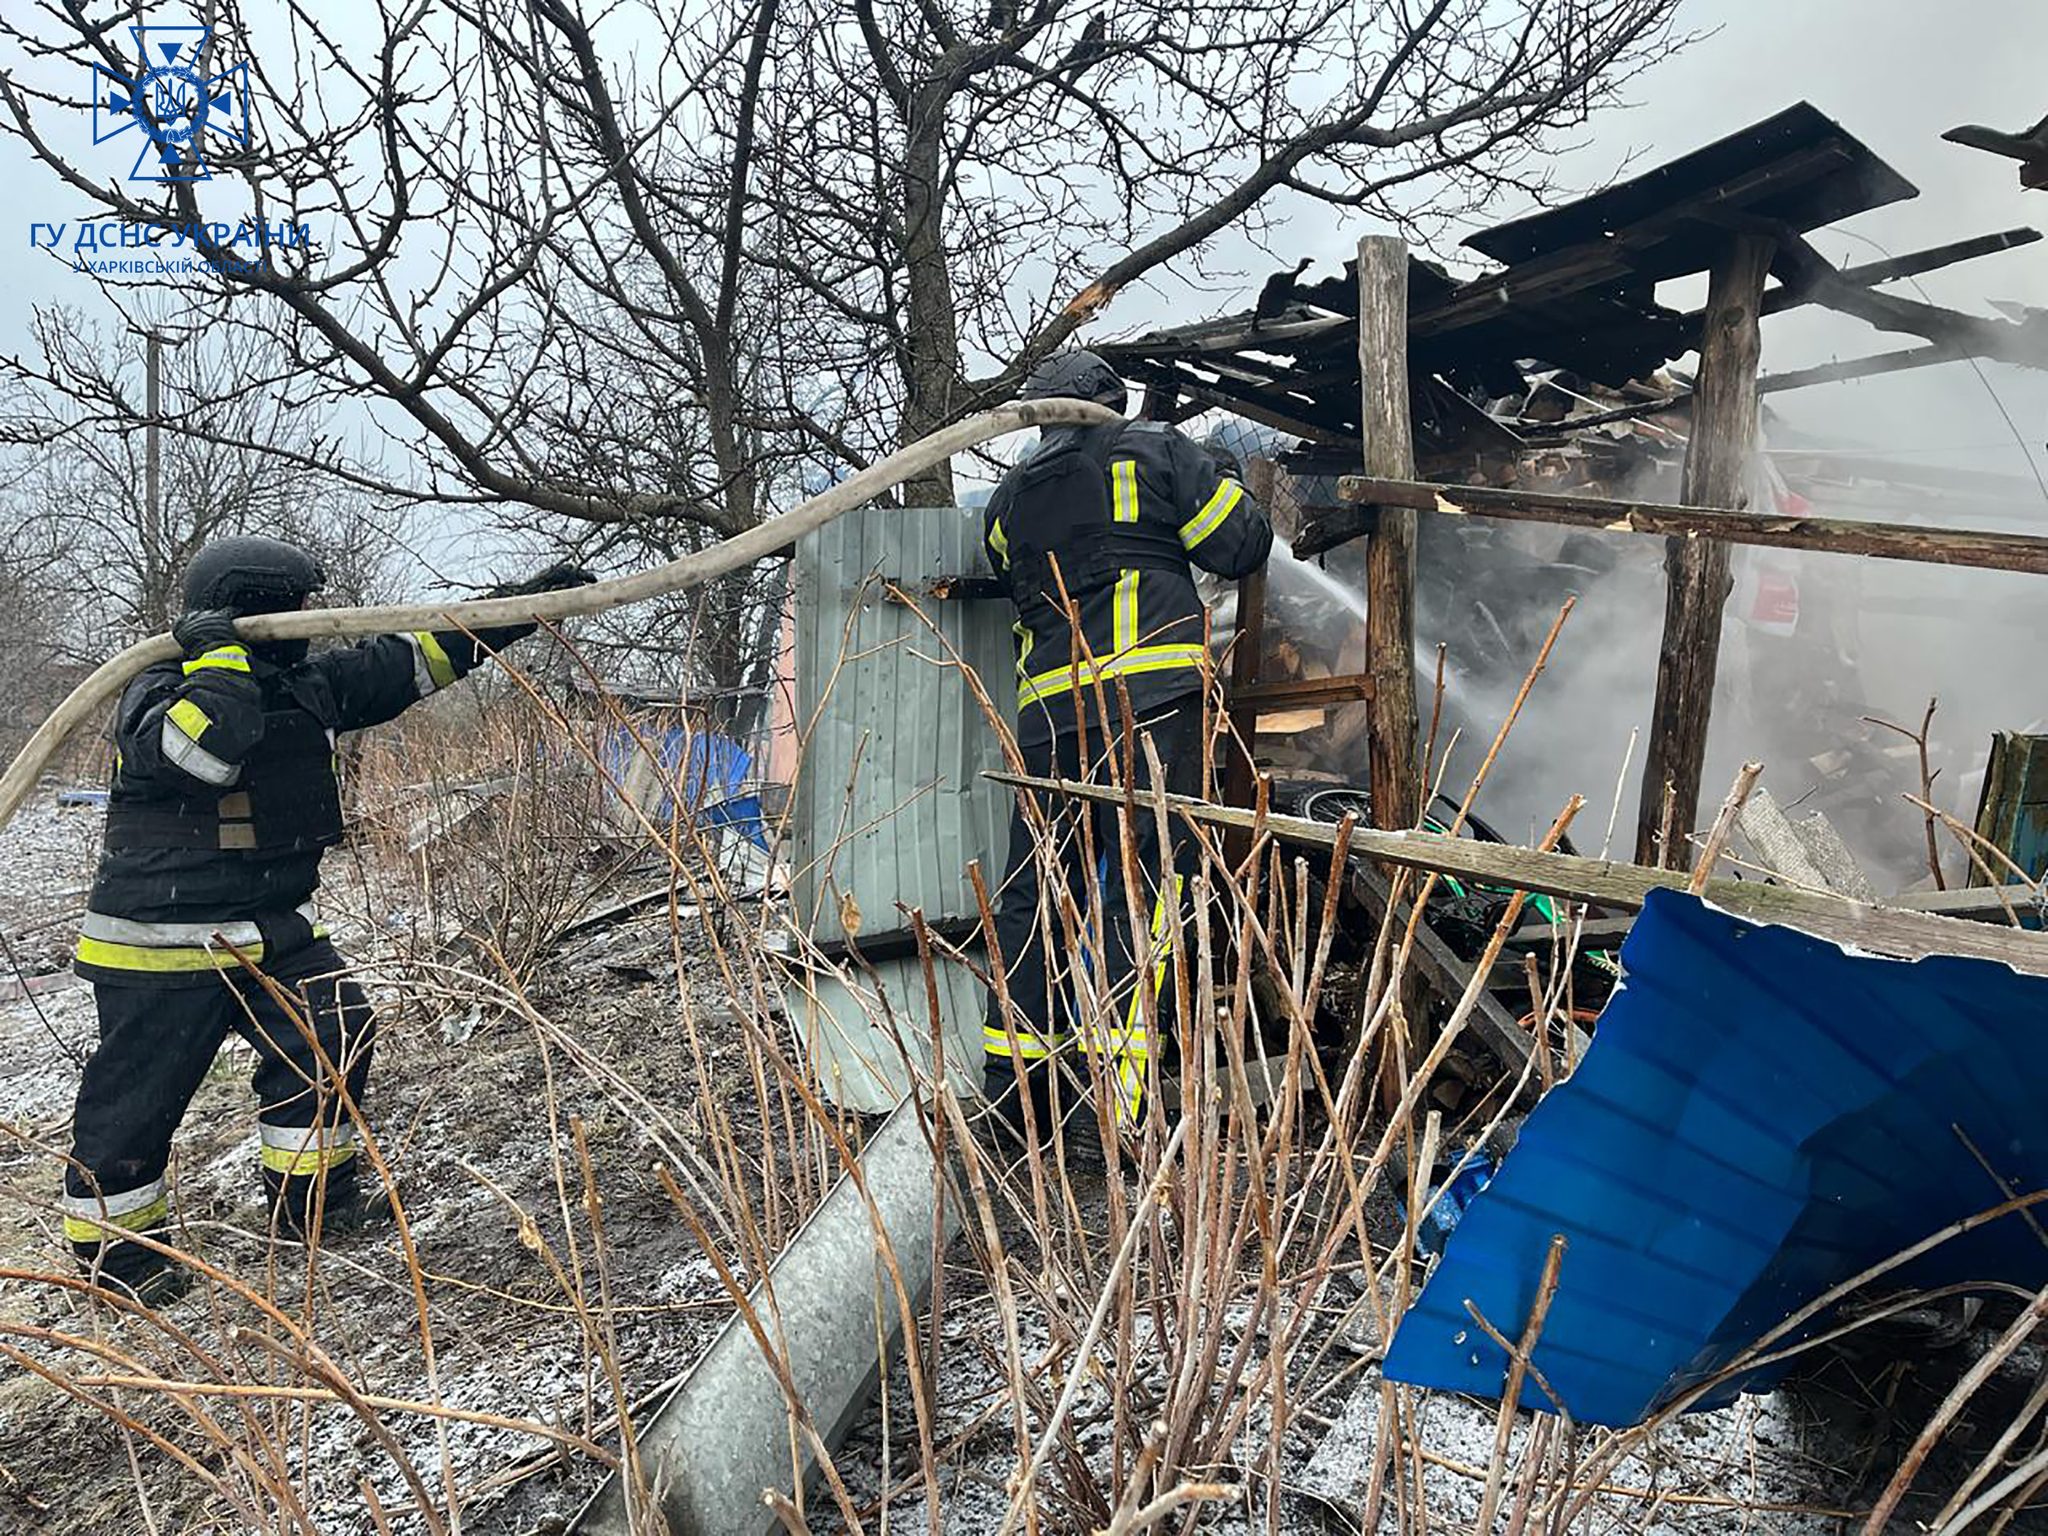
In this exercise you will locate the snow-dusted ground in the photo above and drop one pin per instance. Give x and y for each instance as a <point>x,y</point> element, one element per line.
<point>461,1099</point>
<point>1749,1468</point>
<point>459,1109</point>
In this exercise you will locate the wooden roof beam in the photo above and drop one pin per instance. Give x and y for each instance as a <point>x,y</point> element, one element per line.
<point>1919,543</point>
<point>2025,345</point>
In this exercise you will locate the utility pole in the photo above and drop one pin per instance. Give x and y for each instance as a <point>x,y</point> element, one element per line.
<point>156,601</point>
<point>152,467</point>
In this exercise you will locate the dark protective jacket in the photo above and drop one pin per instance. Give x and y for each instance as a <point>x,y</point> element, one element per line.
<point>226,793</point>
<point>1112,518</point>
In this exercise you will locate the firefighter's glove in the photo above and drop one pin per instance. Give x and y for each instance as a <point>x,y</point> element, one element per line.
<point>558,577</point>
<point>205,630</point>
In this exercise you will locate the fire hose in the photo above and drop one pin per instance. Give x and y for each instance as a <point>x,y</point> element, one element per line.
<point>93,696</point>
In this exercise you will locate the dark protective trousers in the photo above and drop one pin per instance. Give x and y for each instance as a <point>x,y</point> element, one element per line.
<point>1080,846</point>
<point>156,1045</point>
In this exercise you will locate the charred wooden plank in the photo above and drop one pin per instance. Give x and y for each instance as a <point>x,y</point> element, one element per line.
<point>1598,262</point>
<point>1301,692</point>
<point>943,589</point>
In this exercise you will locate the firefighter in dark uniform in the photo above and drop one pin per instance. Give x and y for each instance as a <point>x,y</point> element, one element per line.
<point>1111,519</point>
<point>224,797</point>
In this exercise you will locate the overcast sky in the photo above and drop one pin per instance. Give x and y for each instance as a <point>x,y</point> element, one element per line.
<point>1895,73</point>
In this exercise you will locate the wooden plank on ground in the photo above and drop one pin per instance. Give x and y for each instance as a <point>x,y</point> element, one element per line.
<point>1450,976</point>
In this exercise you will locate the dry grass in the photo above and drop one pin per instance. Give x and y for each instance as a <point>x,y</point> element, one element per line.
<point>1150,1351</point>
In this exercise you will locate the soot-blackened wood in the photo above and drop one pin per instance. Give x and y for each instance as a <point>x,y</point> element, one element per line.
<point>1696,569</point>
<point>1387,430</point>
<point>1390,554</point>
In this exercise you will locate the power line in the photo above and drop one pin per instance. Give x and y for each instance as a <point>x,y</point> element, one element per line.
<point>2026,449</point>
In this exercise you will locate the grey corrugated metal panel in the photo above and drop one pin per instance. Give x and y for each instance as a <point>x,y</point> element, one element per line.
<point>851,1019</point>
<point>726,1434</point>
<point>918,809</point>
<point>908,717</point>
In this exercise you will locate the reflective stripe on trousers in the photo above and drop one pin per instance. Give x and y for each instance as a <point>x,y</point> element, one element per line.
<point>298,1151</point>
<point>1128,1045</point>
<point>122,944</point>
<point>88,1217</point>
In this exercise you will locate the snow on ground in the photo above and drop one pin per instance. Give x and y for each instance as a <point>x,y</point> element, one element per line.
<point>454,1108</point>
<point>461,1100</point>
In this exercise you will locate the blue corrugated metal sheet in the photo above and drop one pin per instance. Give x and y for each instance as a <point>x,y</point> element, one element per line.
<point>711,769</point>
<point>1762,1116</point>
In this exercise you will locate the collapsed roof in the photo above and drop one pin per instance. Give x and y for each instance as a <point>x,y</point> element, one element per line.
<point>1576,291</point>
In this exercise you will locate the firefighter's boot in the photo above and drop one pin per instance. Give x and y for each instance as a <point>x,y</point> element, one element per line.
<point>336,1203</point>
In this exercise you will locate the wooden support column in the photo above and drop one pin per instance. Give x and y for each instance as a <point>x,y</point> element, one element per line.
<point>1391,727</point>
<point>1696,569</point>
<point>1247,656</point>
<point>1390,552</point>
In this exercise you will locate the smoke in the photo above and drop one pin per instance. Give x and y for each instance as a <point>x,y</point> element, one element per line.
<point>1814,647</point>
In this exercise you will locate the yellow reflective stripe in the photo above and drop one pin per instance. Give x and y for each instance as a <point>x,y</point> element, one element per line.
<point>189,718</point>
<point>135,957</point>
<point>1134,1034</point>
<point>1131,1047</point>
<point>1123,485</point>
<point>999,542</point>
<point>228,658</point>
<point>439,667</point>
<point>1210,518</point>
<point>84,1229</point>
<point>997,1042</point>
<point>1025,640</point>
<point>167,960</point>
<point>303,1164</point>
<point>1130,1082</point>
<point>1124,614</point>
<point>1145,658</point>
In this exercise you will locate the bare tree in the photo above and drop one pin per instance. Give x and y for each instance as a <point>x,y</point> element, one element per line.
<point>108,560</point>
<point>33,612</point>
<point>649,264</point>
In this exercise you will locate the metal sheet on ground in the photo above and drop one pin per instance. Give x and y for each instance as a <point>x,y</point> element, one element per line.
<point>1762,1116</point>
<point>728,1433</point>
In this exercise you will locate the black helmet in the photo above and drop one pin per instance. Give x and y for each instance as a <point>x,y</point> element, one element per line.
<point>251,575</point>
<point>1076,375</point>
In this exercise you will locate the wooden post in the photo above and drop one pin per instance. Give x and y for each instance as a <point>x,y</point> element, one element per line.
<point>1390,552</point>
<point>1246,658</point>
<point>1696,569</point>
<point>1391,726</point>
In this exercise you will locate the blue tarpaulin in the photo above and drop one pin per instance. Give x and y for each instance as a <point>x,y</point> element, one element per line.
<point>711,768</point>
<point>1762,1116</point>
